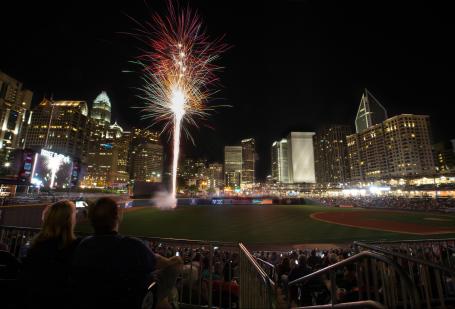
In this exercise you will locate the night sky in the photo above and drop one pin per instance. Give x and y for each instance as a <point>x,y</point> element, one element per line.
<point>293,65</point>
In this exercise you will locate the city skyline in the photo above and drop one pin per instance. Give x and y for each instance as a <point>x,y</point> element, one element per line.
<point>330,67</point>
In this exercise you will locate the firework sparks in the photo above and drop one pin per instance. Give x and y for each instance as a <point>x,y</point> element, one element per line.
<point>179,72</point>
<point>53,163</point>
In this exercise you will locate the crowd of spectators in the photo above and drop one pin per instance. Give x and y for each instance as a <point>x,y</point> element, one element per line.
<point>109,270</point>
<point>390,202</point>
<point>202,267</point>
<point>104,270</point>
<point>292,265</point>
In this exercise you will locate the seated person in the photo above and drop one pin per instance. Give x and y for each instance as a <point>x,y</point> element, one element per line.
<point>302,269</point>
<point>114,271</point>
<point>348,290</point>
<point>47,265</point>
<point>3,246</point>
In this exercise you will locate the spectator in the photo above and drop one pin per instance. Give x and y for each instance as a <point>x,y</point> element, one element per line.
<point>47,264</point>
<point>283,271</point>
<point>274,258</point>
<point>348,290</point>
<point>3,246</point>
<point>114,271</point>
<point>302,269</point>
<point>217,274</point>
<point>313,260</point>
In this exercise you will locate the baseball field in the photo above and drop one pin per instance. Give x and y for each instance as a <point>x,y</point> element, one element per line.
<point>285,224</point>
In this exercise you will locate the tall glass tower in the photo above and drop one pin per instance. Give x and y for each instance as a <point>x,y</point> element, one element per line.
<point>248,161</point>
<point>370,112</point>
<point>101,110</point>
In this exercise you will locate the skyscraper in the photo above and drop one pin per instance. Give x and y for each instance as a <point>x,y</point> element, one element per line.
<point>187,171</point>
<point>331,154</point>
<point>122,144</point>
<point>146,157</point>
<point>280,162</point>
<point>248,161</point>
<point>215,176</point>
<point>14,106</point>
<point>370,112</point>
<point>444,155</point>
<point>107,162</point>
<point>114,131</point>
<point>148,163</point>
<point>101,109</point>
<point>398,147</point>
<point>368,155</point>
<point>301,157</point>
<point>408,142</point>
<point>232,166</point>
<point>60,126</point>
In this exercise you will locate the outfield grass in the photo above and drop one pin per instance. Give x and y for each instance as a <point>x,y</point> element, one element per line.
<point>272,224</point>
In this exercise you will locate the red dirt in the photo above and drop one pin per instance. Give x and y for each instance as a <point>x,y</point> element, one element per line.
<point>359,219</point>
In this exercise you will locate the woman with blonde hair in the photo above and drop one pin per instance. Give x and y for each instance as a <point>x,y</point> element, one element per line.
<point>48,262</point>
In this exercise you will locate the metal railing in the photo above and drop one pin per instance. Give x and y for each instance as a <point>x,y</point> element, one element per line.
<point>358,304</point>
<point>257,290</point>
<point>440,251</point>
<point>269,269</point>
<point>210,274</point>
<point>227,275</point>
<point>16,238</point>
<point>435,282</point>
<point>379,282</point>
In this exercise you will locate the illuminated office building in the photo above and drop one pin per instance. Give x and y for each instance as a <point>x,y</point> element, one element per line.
<point>215,176</point>
<point>398,147</point>
<point>101,109</point>
<point>301,157</point>
<point>233,167</point>
<point>331,154</point>
<point>60,126</point>
<point>107,163</point>
<point>280,162</point>
<point>248,162</point>
<point>370,112</point>
<point>14,114</point>
<point>146,156</point>
<point>444,156</point>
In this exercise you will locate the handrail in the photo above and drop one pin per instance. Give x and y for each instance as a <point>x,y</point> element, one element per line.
<point>265,262</point>
<point>258,268</point>
<point>359,256</point>
<point>160,239</point>
<point>405,256</point>
<point>12,227</point>
<point>193,289</point>
<point>254,277</point>
<point>349,260</point>
<point>357,304</point>
<point>24,205</point>
<point>270,268</point>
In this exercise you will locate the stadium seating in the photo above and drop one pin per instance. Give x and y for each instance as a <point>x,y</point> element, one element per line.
<point>411,274</point>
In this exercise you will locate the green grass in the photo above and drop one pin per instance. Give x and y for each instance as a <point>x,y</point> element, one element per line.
<point>271,224</point>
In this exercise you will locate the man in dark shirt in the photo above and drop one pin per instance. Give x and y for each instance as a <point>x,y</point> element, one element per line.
<point>301,270</point>
<point>111,270</point>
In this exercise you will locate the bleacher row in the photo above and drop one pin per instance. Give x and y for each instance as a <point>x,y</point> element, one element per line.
<point>390,202</point>
<point>400,274</point>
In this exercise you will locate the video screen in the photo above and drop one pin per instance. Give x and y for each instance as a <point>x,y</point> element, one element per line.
<point>52,170</point>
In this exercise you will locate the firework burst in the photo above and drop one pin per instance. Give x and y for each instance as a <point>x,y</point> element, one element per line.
<point>179,73</point>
